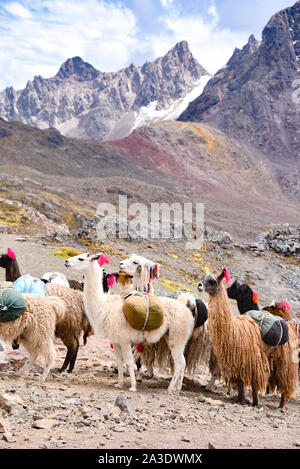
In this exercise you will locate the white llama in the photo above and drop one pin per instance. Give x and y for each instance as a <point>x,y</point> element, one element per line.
<point>107,319</point>
<point>142,270</point>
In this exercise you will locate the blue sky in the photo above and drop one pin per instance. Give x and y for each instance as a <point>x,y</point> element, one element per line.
<point>37,36</point>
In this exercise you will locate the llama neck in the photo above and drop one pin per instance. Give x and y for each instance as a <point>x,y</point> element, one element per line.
<point>283,313</point>
<point>93,293</point>
<point>245,305</point>
<point>142,282</point>
<point>220,314</point>
<point>12,272</point>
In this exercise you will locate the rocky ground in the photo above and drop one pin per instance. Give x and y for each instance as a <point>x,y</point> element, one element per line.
<point>80,411</point>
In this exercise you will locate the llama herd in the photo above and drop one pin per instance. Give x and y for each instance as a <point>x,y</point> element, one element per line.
<point>190,334</point>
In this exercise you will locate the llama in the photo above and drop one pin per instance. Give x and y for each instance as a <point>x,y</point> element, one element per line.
<point>107,318</point>
<point>199,350</point>
<point>12,272</point>
<point>70,327</point>
<point>56,277</point>
<point>75,321</point>
<point>198,347</point>
<point>283,359</point>
<point>35,330</point>
<point>241,354</point>
<point>200,313</point>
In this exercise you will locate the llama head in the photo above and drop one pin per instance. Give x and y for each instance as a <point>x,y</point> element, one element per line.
<point>55,277</point>
<point>123,278</point>
<point>142,269</point>
<point>212,282</point>
<point>276,308</point>
<point>83,262</point>
<point>241,292</point>
<point>9,263</point>
<point>5,261</point>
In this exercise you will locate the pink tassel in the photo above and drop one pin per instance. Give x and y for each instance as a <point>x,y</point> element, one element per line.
<point>111,346</point>
<point>111,281</point>
<point>11,254</point>
<point>103,259</point>
<point>227,276</point>
<point>285,305</point>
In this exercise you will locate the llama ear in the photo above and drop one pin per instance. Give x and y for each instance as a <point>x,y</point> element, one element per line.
<point>111,281</point>
<point>224,274</point>
<point>11,254</point>
<point>103,259</point>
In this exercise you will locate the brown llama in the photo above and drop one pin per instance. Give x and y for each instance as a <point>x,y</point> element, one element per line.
<point>241,354</point>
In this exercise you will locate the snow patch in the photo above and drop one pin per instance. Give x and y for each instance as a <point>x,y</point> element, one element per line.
<point>149,114</point>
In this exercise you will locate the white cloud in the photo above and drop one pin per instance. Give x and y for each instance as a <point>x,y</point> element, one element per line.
<point>54,30</point>
<point>37,36</point>
<point>166,3</point>
<point>211,46</point>
<point>17,9</point>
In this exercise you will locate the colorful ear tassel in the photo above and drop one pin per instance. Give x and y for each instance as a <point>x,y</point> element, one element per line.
<point>11,254</point>
<point>111,281</point>
<point>255,298</point>
<point>154,272</point>
<point>227,275</point>
<point>103,259</point>
<point>285,305</point>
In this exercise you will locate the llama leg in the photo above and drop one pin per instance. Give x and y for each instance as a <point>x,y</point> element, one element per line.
<point>214,376</point>
<point>254,397</point>
<point>149,365</point>
<point>67,359</point>
<point>129,362</point>
<point>241,396</point>
<point>282,402</point>
<point>119,358</point>
<point>211,383</point>
<point>50,356</point>
<point>73,358</point>
<point>138,364</point>
<point>15,344</point>
<point>179,367</point>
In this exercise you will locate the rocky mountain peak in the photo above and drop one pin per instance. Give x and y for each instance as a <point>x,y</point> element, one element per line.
<point>83,102</point>
<point>78,69</point>
<point>251,98</point>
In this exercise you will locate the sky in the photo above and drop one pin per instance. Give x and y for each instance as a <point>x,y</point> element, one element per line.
<point>37,36</point>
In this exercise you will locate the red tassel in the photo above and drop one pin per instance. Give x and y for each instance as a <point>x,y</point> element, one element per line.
<point>11,254</point>
<point>255,297</point>
<point>111,346</point>
<point>139,348</point>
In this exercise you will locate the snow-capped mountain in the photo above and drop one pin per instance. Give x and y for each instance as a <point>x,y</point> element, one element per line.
<point>83,102</point>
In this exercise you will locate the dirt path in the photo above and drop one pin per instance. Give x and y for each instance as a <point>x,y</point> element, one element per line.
<point>81,408</point>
